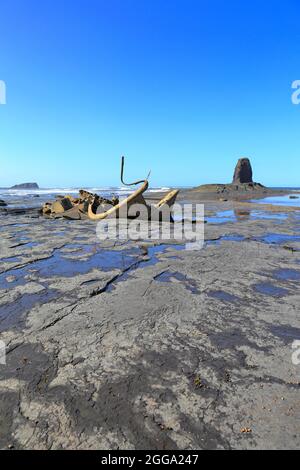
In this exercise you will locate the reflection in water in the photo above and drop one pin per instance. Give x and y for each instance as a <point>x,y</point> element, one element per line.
<point>222,217</point>
<point>169,276</point>
<point>238,215</point>
<point>288,200</point>
<point>266,288</point>
<point>278,238</point>
<point>222,295</point>
<point>242,214</point>
<point>287,275</point>
<point>286,332</point>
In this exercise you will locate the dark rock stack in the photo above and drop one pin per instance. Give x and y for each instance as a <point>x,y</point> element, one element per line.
<point>242,182</point>
<point>243,172</point>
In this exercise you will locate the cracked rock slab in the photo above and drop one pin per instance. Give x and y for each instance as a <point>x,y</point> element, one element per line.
<point>170,349</point>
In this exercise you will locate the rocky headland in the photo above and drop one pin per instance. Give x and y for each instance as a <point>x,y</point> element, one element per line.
<point>25,186</point>
<point>241,188</point>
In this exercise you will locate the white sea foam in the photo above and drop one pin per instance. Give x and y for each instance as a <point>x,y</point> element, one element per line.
<point>28,194</point>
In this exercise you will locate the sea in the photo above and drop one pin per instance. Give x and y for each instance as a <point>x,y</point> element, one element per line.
<point>35,198</point>
<point>286,200</point>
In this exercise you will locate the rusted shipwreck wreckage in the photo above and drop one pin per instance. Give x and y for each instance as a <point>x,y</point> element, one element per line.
<point>95,207</point>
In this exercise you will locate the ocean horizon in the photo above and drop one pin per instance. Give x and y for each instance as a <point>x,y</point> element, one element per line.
<point>35,198</point>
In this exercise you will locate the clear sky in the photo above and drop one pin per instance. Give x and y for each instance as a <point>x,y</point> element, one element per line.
<point>181,87</point>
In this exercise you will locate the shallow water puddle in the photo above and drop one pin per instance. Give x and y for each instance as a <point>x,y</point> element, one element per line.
<point>21,237</point>
<point>287,274</point>
<point>121,278</point>
<point>266,288</point>
<point>7,226</point>
<point>59,265</point>
<point>21,244</point>
<point>286,332</point>
<point>278,238</point>
<point>11,279</point>
<point>222,295</point>
<point>169,276</point>
<point>152,251</point>
<point>261,215</point>
<point>290,200</point>
<point>75,247</point>
<point>231,238</point>
<point>31,245</point>
<point>106,260</point>
<point>222,217</point>
<point>233,338</point>
<point>11,313</point>
<point>60,233</point>
<point>236,215</point>
<point>63,264</point>
<point>12,259</point>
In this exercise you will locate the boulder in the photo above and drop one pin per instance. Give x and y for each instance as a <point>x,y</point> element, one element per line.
<point>243,172</point>
<point>2,203</point>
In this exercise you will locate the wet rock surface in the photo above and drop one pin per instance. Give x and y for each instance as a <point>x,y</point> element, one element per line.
<point>133,345</point>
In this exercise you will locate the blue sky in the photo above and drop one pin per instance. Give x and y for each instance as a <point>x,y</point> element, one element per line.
<point>181,87</point>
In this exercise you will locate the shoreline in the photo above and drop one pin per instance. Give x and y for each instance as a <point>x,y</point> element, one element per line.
<point>185,195</point>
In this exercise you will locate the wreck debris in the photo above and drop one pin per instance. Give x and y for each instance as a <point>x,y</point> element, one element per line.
<point>169,199</point>
<point>135,198</point>
<point>76,208</point>
<point>95,207</point>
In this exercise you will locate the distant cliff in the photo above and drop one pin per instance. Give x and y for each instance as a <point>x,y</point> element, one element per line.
<point>26,186</point>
